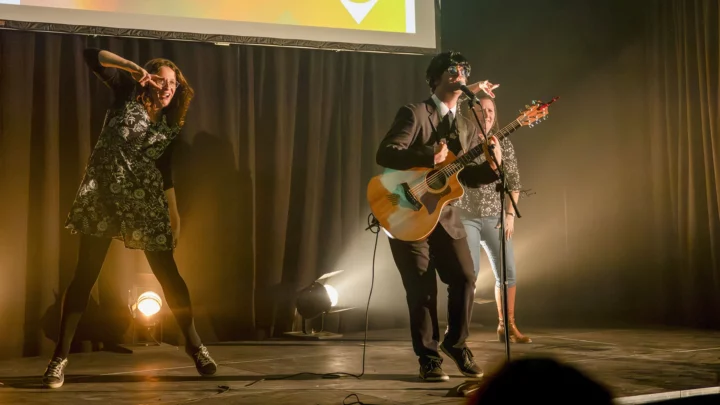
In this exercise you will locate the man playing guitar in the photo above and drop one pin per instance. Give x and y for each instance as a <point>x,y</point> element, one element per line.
<point>420,137</point>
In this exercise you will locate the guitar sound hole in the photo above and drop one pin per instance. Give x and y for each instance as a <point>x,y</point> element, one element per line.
<point>436,180</point>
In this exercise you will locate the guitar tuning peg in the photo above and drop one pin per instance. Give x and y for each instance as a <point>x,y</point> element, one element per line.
<point>534,102</point>
<point>527,106</point>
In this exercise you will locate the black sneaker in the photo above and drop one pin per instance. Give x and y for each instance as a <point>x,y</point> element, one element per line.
<point>464,360</point>
<point>204,364</point>
<point>430,369</point>
<point>54,376</point>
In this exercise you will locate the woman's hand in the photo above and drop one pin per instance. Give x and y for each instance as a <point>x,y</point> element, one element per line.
<point>509,226</point>
<point>109,59</point>
<point>175,225</point>
<point>143,77</point>
<point>485,86</point>
<point>174,215</point>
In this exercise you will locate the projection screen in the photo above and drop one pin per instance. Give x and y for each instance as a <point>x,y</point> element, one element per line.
<point>366,25</point>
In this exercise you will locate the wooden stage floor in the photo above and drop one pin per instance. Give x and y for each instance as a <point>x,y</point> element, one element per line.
<point>639,365</point>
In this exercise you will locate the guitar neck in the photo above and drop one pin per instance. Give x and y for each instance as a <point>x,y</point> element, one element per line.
<point>475,152</point>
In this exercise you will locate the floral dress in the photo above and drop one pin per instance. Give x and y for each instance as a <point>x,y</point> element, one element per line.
<point>122,194</point>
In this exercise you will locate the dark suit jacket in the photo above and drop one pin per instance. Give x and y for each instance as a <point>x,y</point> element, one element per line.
<point>410,143</point>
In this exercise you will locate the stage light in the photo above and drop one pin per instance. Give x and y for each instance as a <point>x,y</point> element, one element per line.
<point>147,312</point>
<point>313,301</point>
<point>317,300</point>
<point>333,294</point>
<point>149,303</point>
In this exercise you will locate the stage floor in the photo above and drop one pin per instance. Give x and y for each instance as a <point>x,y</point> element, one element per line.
<point>631,362</point>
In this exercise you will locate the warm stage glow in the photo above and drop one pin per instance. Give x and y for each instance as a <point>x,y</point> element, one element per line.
<point>333,294</point>
<point>149,303</point>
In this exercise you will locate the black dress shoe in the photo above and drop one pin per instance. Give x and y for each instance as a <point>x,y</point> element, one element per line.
<point>431,370</point>
<point>464,359</point>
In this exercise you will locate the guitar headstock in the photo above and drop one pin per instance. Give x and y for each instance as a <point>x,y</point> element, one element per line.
<point>533,114</point>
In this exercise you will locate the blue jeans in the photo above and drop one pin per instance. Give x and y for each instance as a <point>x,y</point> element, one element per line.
<point>483,231</point>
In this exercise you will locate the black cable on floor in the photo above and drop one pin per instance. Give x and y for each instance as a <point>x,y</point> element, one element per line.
<point>356,402</point>
<point>374,227</point>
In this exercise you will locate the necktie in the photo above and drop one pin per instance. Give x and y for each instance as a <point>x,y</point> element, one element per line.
<point>446,125</point>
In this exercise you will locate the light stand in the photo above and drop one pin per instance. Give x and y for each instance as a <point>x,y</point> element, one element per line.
<point>502,190</point>
<point>150,326</point>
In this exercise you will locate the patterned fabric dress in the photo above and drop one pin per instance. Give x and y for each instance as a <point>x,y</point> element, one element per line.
<point>122,194</point>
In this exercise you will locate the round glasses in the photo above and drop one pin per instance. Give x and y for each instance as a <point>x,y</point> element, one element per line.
<point>164,82</point>
<point>459,69</point>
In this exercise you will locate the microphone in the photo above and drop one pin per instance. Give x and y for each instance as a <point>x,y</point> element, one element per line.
<point>469,93</point>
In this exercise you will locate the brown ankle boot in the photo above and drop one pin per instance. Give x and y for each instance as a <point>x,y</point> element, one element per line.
<point>514,333</point>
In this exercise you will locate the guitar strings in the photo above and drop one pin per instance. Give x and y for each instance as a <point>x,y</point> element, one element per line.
<point>450,169</point>
<point>501,134</point>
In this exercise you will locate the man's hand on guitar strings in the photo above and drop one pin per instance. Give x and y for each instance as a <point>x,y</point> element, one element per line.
<point>441,152</point>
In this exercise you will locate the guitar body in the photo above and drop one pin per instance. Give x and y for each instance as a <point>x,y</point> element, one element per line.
<point>408,203</point>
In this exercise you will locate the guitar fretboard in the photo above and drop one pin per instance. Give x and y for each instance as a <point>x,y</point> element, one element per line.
<point>473,153</point>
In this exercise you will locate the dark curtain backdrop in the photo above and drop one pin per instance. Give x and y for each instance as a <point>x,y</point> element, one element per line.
<point>270,173</point>
<point>684,114</point>
<point>621,226</point>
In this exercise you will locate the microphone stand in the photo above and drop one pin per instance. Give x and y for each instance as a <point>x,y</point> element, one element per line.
<point>502,190</point>
<point>469,387</point>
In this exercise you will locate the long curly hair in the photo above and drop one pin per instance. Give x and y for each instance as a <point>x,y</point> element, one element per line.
<point>177,109</point>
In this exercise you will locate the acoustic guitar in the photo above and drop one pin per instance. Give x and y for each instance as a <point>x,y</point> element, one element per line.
<point>408,203</point>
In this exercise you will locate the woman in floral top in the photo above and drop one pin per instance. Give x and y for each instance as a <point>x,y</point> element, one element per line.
<point>127,194</point>
<point>480,208</point>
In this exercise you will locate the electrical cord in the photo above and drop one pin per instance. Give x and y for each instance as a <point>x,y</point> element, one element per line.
<point>356,402</point>
<point>373,227</point>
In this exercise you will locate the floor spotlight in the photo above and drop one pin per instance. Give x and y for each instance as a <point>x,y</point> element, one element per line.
<point>148,310</point>
<point>317,299</point>
<point>149,303</point>
<point>313,301</point>
<point>145,311</point>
